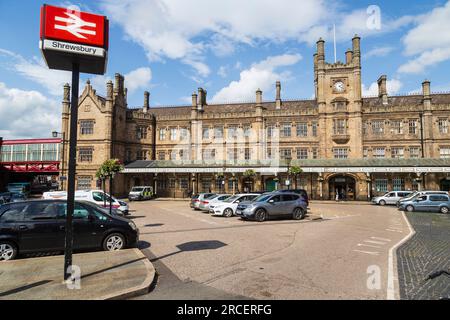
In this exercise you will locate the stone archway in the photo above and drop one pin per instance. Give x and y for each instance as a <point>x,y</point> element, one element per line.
<point>344,186</point>
<point>248,185</point>
<point>445,184</point>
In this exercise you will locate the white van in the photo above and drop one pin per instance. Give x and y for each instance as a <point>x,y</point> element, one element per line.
<point>96,196</point>
<point>140,193</point>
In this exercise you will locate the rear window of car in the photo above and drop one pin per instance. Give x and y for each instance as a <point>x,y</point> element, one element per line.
<point>195,196</point>
<point>209,195</point>
<point>137,189</point>
<point>438,198</point>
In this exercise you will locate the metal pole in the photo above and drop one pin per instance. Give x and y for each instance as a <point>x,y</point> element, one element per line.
<point>62,155</point>
<point>110,194</point>
<point>72,168</point>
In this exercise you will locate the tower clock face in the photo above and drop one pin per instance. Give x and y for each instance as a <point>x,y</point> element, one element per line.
<point>339,86</point>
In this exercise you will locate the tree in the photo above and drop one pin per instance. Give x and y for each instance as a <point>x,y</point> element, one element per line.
<point>295,171</point>
<point>107,170</point>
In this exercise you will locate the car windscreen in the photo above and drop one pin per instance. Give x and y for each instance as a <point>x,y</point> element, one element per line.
<point>262,198</point>
<point>137,189</point>
<point>231,199</point>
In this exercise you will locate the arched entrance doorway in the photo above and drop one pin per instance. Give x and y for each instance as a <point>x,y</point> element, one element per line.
<point>342,188</point>
<point>248,185</point>
<point>445,184</point>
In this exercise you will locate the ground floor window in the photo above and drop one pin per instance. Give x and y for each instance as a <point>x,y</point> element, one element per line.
<point>184,183</point>
<point>414,185</point>
<point>162,184</point>
<point>84,182</point>
<point>172,183</point>
<point>381,185</point>
<point>398,184</point>
<point>206,185</point>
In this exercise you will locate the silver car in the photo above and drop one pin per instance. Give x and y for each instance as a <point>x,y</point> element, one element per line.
<point>391,197</point>
<point>271,205</point>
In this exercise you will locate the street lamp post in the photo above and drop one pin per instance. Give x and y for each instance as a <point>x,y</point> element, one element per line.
<point>55,134</point>
<point>288,182</point>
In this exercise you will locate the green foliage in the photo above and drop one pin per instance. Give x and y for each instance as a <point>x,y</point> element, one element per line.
<point>109,168</point>
<point>295,170</point>
<point>249,173</point>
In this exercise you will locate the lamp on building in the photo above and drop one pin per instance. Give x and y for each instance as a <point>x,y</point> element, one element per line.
<point>56,134</point>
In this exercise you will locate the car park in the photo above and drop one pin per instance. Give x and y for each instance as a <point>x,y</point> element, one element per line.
<point>272,205</point>
<point>198,198</point>
<point>228,207</point>
<point>39,226</point>
<point>140,193</point>
<point>417,194</point>
<point>95,196</point>
<point>214,200</point>
<point>391,197</point>
<point>301,192</point>
<point>428,203</point>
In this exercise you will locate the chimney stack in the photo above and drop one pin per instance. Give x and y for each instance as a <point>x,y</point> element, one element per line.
<point>320,51</point>
<point>356,49</point>
<point>278,95</point>
<point>258,97</point>
<point>426,89</point>
<point>66,95</point>
<point>109,90</point>
<point>202,98</point>
<point>119,84</point>
<point>146,101</point>
<point>348,56</point>
<point>194,101</point>
<point>382,89</point>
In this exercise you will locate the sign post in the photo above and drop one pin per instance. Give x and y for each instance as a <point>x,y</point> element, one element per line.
<point>74,41</point>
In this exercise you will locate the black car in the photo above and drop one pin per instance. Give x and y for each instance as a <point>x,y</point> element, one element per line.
<point>39,226</point>
<point>301,192</point>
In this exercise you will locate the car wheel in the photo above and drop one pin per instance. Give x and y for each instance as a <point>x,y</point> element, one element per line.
<point>261,215</point>
<point>410,208</point>
<point>114,242</point>
<point>298,214</point>
<point>228,213</point>
<point>444,210</point>
<point>8,251</point>
<point>382,203</point>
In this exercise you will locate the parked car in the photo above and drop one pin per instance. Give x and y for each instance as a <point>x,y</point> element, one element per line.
<point>95,196</point>
<point>38,226</point>
<point>301,192</point>
<point>140,193</point>
<point>17,197</point>
<point>214,200</point>
<point>430,202</point>
<point>416,194</point>
<point>197,198</point>
<point>391,197</point>
<point>227,208</point>
<point>275,204</point>
<point>19,187</point>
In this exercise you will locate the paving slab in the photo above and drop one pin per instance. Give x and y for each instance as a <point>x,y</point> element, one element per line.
<point>104,275</point>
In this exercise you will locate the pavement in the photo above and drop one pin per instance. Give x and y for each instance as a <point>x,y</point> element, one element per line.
<point>333,254</point>
<point>104,276</point>
<point>424,261</point>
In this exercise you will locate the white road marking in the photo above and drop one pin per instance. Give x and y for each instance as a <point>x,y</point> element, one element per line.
<point>368,252</point>
<point>394,230</point>
<point>391,274</point>
<point>375,242</point>
<point>382,239</point>
<point>367,245</point>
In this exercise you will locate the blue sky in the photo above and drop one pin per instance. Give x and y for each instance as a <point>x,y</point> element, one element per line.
<point>231,48</point>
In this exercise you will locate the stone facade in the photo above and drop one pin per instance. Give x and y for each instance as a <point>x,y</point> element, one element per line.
<point>205,147</point>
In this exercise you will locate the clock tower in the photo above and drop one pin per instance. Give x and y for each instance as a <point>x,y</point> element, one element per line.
<point>339,100</point>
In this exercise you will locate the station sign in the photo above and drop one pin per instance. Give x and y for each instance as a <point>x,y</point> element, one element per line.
<point>69,36</point>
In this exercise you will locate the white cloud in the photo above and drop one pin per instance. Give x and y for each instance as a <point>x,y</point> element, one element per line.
<point>428,41</point>
<point>37,71</point>
<point>393,87</point>
<point>261,75</point>
<point>378,52</point>
<point>27,114</point>
<point>223,71</point>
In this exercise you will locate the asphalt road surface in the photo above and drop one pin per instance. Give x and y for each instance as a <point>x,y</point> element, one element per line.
<point>344,255</point>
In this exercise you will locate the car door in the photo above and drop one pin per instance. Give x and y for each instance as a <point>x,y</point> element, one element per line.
<point>87,231</point>
<point>435,202</point>
<point>275,206</point>
<point>10,216</point>
<point>288,203</point>
<point>422,203</point>
<point>390,198</point>
<point>40,228</point>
